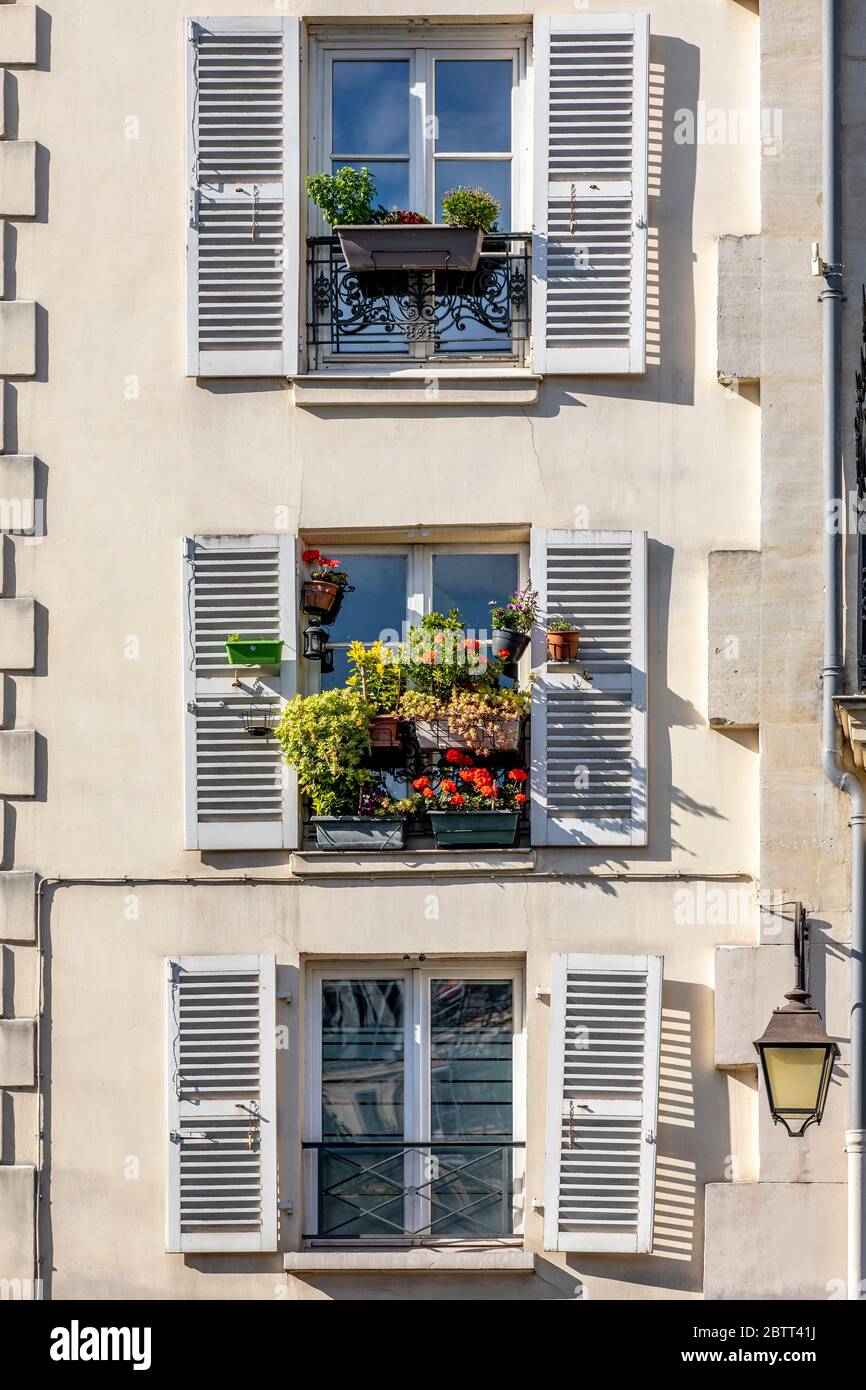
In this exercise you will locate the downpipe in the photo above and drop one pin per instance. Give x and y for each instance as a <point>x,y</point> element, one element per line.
<point>833,671</point>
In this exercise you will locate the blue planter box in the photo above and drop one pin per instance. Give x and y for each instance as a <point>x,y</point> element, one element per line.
<point>359,832</point>
<point>456,829</point>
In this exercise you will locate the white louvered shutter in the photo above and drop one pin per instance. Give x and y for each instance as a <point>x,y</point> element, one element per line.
<point>602,1102</point>
<point>238,792</point>
<point>243,158</point>
<point>590,193</point>
<point>589,719</point>
<point>221,1096</point>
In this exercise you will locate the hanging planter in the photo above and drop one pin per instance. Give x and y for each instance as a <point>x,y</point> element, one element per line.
<point>497,735</point>
<point>463,829</point>
<point>359,832</point>
<point>508,644</point>
<point>259,720</point>
<point>563,643</point>
<point>259,651</point>
<point>322,593</point>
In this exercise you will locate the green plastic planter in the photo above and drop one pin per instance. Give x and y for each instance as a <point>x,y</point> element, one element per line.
<point>462,829</point>
<point>256,653</point>
<point>359,832</point>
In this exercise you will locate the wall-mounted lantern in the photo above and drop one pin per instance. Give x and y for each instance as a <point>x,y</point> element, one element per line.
<point>796,1054</point>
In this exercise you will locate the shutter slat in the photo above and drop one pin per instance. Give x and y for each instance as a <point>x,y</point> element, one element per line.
<point>589,734</point>
<point>602,1113</point>
<point>238,792</point>
<point>591,120</point>
<point>221,1104</point>
<point>243,96</point>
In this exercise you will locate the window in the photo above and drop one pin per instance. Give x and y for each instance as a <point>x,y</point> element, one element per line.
<point>395,586</point>
<point>423,117</point>
<point>414,1105</point>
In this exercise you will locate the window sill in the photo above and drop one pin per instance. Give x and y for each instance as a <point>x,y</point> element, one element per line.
<point>484,1261</point>
<point>324,863</point>
<point>445,386</point>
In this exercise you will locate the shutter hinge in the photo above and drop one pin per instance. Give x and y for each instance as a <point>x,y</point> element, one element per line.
<point>285,995</point>
<point>287,1207</point>
<point>537,1204</point>
<point>191,707</point>
<point>640,222</point>
<point>650,1136</point>
<point>190,548</point>
<point>542,991</point>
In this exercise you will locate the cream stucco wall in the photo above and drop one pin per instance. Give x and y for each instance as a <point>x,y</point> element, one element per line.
<point>132,455</point>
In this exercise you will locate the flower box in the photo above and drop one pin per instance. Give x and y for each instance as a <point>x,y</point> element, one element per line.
<point>439,734</point>
<point>255,653</point>
<point>459,829</point>
<point>359,832</point>
<point>424,246</point>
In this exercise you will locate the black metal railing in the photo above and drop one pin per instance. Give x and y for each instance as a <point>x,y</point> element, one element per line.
<point>385,1190</point>
<point>411,316</point>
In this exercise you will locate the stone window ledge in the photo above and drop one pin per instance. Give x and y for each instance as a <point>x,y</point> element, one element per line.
<point>446,387</point>
<point>482,1261</point>
<point>325,863</point>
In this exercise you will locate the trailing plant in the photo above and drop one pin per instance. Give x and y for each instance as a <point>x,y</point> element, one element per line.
<point>326,739</point>
<point>470,207</point>
<point>474,716</point>
<point>376,674</point>
<point>518,613</point>
<point>377,801</point>
<point>471,788</point>
<point>347,196</point>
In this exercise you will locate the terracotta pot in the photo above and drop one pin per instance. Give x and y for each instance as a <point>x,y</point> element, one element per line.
<point>385,731</point>
<point>563,646</point>
<point>322,598</point>
<point>414,246</point>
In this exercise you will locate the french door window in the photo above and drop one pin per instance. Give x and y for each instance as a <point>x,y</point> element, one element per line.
<point>414,1104</point>
<point>423,117</point>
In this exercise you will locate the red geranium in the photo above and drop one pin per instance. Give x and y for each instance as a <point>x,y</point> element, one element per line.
<point>517,774</point>
<point>458,800</point>
<point>428,791</point>
<point>503,652</point>
<point>449,786</point>
<point>520,798</point>
<point>420,783</point>
<point>454,756</point>
<point>310,555</point>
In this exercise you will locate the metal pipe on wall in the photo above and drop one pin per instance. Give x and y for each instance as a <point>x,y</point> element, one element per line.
<point>833,672</point>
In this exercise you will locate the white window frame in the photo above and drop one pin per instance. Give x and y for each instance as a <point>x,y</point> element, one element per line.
<point>416,1102</point>
<point>419,596</point>
<point>479,42</point>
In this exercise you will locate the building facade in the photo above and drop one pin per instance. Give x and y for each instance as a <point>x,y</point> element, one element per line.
<point>281,1070</point>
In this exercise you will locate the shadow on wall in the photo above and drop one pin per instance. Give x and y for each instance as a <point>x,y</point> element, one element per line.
<point>692,1148</point>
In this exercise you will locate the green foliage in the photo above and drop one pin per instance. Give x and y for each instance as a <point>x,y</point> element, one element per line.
<point>439,658</point>
<point>376,675</point>
<point>474,716</point>
<point>344,197</point>
<point>470,207</point>
<point>519,613</point>
<point>326,738</point>
<point>560,625</point>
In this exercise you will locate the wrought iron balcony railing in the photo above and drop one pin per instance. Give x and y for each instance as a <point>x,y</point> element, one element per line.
<point>378,1190</point>
<point>411,316</point>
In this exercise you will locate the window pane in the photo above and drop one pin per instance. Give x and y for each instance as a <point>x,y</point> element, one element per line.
<point>377,608</point>
<point>392,179</point>
<point>471,1028</point>
<point>370,107</point>
<point>362,1059</point>
<point>469,582</point>
<point>473,105</point>
<point>493,175</point>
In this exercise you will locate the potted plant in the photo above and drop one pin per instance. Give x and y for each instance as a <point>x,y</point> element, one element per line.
<point>376,672</point>
<point>563,640</point>
<point>325,738</point>
<point>512,624</point>
<point>374,240</point>
<point>253,651</point>
<point>323,592</point>
<point>472,805</point>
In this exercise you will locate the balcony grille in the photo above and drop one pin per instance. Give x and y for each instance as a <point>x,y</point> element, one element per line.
<point>404,317</point>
